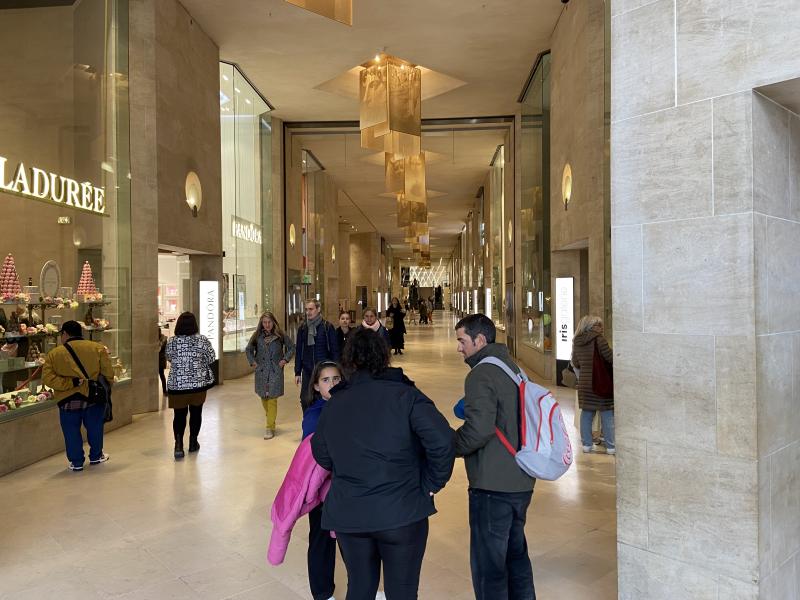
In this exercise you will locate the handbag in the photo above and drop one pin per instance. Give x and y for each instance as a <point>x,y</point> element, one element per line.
<point>99,391</point>
<point>602,375</point>
<point>568,377</point>
<point>388,322</point>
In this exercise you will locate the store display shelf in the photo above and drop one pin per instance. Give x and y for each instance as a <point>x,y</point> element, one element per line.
<point>26,410</point>
<point>32,336</point>
<point>28,365</point>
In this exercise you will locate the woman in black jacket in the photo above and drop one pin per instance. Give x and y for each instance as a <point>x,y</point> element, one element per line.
<point>390,450</point>
<point>398,329</point>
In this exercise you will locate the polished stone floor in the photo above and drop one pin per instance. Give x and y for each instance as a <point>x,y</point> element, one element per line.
<point>146,527</point>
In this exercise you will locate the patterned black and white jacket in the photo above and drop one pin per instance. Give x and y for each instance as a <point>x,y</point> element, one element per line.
<point>190,358</point>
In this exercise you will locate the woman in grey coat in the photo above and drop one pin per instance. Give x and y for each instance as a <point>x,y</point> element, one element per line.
<point>268,350</point>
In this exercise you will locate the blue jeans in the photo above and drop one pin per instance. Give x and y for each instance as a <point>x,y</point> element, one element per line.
<point>607,420</point>
<point>501,568</point>
<point>92,419</point>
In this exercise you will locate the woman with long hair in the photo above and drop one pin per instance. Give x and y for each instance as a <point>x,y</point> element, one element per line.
<point>389,451</point>
<point>344,328</point>
<point>398,330</point>
<point>190,355</point>
<point>269,350</point>
<point>589,340</point>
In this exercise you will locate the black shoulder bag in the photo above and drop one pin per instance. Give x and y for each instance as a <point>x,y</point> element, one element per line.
<point>99,391</point>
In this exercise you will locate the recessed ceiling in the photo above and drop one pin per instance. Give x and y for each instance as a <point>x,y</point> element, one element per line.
<point>465,155</point>
<point>287,52</point>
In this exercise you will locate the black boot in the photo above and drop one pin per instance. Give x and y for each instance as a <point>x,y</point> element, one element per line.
<point>179,454</point>
<point>194,446</point>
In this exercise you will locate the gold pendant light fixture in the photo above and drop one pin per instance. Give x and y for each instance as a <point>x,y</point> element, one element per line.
<point>390,95</point>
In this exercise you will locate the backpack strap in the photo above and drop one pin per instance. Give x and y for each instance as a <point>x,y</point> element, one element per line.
<point>493,360</point>
<point>520,380</point>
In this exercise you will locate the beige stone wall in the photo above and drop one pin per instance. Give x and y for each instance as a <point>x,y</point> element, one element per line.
<point>188,129</point>
<point>705,310</point>
<point>577,138</point>
<point>364,261</point>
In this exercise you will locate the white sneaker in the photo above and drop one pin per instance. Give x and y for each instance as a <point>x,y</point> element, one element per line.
<point>611,451</point>
<point>269,434</point>
<point>588,449</point>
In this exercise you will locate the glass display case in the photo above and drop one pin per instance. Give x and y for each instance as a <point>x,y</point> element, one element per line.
<point>535,324</point>
<point>64,190</point>
<point>246,132</point>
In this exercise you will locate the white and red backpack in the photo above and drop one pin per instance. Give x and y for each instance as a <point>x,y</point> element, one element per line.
<point>545,451</point>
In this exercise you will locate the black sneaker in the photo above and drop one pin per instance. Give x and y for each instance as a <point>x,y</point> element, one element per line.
<point>103,458</point>
<point>72,467</point>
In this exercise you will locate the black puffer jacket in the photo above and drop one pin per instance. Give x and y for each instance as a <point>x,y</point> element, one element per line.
<point>388,447</point>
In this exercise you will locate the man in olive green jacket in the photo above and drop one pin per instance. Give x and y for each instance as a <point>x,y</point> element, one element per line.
<point>499,491</point>
<point>71,391</point>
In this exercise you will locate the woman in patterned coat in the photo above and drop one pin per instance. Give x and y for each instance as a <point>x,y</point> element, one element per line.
<point>190,355</point>
<point>269,350</point>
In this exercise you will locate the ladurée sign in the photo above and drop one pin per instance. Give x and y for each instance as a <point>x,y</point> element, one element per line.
<point>245,230</point>
<point>37,183</point>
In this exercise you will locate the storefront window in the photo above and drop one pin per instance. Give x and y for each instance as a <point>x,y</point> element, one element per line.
<point>64,188</point>
<point>497,219</point>
<point>535,211</point>
<point>246,206</point>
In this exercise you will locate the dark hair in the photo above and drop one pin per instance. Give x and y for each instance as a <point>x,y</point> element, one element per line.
<point>308,399</point>
<point>72,328</point>
<point>365,350</point>
<point>186,324</point>
<point>473,325</point>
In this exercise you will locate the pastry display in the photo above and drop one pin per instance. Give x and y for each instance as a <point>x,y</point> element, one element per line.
<point>10,289</point>
<point>17,400</point>
<point>86,285</point>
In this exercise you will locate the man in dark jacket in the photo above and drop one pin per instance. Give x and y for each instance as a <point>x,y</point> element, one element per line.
<point>499,491</point>
<point>316,341</point>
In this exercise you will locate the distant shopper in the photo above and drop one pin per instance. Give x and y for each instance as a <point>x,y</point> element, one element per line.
<point>389,450</point>
<point>344,328</point>
<point>372,322</point>
<point>588,339</point>
<point>430,310</point>
<point>269,350</point>
<point>316,341</point>
<point>499,491</point>
<point>162,360</point>
<point>190,376</point>
<point>321,556</point>
<point>71,392</point>
<point>398,331</point>
<point>423,312</point>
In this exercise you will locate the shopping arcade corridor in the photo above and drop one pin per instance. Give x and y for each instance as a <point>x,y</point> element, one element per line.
<point>143,526</point>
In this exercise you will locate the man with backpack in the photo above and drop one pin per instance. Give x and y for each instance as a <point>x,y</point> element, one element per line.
<point>68,369</point>
<point>499,490</point>
<point>316,342</point>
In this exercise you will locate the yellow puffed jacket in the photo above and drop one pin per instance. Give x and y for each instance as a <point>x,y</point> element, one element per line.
<point>59,367</point>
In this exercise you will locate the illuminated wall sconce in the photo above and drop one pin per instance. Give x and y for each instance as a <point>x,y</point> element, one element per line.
<point>292,237</point>
<point>566,185</point>
<point>333,254</point>
<point>194,192</point>
<point>510,232</point>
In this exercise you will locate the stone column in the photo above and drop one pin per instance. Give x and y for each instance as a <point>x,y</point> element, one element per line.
<point>705,226</point>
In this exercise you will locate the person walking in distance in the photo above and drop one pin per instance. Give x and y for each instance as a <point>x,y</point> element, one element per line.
<point>344,328</point>
<point>162,360</point>
<point>499,491</point>
<point>398,330</point>
<point>269,350</point>
<point>62,372</point>
<point>316,341</point>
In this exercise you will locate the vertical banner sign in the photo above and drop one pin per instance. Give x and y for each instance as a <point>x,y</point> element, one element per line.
<point>564,318</point>
<point>210,313</point>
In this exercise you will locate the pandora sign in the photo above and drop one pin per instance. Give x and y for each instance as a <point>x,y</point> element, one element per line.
<point>36,183</point>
